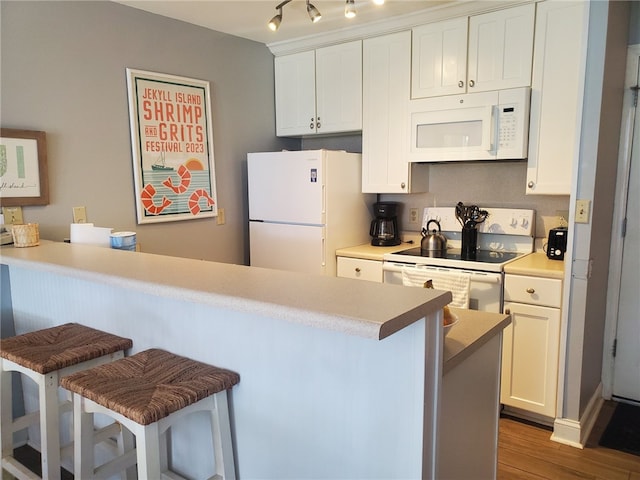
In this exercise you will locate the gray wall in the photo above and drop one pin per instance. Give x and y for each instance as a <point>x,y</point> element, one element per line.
<point>63,71</point>
<point>606,64</point>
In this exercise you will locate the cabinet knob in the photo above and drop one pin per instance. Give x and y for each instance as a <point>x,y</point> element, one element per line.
<point>472,83</point>
<point>461,84</point>
<point>318,125</point>
<point>311,125</point>
<point>531,184</point>
<point>403,185</point>
<point>507,311</point>
<point>531,290</point>
<point>357,269</point>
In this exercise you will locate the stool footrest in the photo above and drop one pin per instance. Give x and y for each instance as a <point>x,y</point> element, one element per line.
<point>17,469</point>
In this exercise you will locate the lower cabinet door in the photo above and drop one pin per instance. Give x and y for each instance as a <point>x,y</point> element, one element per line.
<point>530,352</point>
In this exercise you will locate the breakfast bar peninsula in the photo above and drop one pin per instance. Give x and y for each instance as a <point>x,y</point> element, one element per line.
<point>339,378</point>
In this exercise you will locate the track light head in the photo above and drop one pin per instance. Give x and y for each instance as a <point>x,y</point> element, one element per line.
<point>274,23</point>
<point>350,9</point>
<point>313,12</point>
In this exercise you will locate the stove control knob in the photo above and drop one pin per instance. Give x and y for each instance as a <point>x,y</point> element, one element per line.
<point>514,222</point>
<point>525,223</point>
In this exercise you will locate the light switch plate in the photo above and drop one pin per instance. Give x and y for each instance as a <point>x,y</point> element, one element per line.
<point>12,215</point>
<point>79,215</point>
<point>582,211</point>
<point>221,218</point>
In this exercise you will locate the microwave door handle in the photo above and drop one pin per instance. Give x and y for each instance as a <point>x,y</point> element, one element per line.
<point>495,117</point>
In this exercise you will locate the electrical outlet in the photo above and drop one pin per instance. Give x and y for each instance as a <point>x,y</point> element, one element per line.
<point>221,218</point>
<point>79,215</point>
<point>13,215</point>
<point>582,211</point>
<point>413,216</point>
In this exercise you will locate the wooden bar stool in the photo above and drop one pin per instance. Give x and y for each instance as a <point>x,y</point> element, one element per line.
<point>45,356</point>
<point>147,393</point>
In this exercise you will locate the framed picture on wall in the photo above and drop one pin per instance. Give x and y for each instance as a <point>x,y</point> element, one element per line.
<point>23,168</point>
<point>172,147</point>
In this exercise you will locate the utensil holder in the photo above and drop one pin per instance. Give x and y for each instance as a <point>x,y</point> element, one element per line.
<point>469,243</point>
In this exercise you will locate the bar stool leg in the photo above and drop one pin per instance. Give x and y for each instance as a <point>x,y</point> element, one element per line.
<point>6,419</point>
<point>83,460</point>
<point>221,434</point>
<point>126,444</point>
<point>49,427</point>
<point>148,447</point>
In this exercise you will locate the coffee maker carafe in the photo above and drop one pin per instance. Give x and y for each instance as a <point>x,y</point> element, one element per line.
<point>384,228</point>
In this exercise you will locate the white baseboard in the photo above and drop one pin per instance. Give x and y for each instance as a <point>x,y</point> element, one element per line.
<point>575,433</point>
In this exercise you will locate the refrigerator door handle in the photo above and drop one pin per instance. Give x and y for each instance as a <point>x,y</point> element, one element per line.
<point>324,202</point>
<point>324,251</point>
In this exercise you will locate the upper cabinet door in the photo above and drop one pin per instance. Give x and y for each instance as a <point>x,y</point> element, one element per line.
<point>559,67</point>
<point>295,85</point>
<point>481,53</point>
<point>501,49</point>
<point>339,88</point>
<point>439,59</point>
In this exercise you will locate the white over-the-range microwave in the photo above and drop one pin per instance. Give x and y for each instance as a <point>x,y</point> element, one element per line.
<point>475,126</point>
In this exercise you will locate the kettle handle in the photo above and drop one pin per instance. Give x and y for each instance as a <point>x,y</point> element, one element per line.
<point>436,222</point>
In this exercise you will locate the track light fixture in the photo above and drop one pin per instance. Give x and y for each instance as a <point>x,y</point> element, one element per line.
<point>312,11</point>
<point>274,23</point>
<point>350,9</point>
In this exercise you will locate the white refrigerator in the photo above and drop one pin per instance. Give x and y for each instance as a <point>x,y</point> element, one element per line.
<point>303,205</point>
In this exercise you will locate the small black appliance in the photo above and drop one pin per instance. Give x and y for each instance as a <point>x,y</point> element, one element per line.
<point>557,243</point>
<point>384,228</point>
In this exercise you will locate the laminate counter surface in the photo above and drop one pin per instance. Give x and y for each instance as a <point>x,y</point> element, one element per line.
<point>537,265</point>
<point>370,252</point>
<point>358,308</point>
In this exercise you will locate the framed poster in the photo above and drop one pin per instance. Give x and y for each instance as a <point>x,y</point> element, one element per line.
<point>172,147</point>
<point>23,168</point>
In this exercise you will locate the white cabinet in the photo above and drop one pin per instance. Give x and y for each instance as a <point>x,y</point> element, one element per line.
<point>484,52</point>
<point>559,62</point>
<point>531,344</point>
<point>319,91</point>
<point>360,269</point>
<point>385,130</point>
<point>439,64</point>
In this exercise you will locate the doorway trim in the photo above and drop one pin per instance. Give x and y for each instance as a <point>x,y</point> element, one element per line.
<point>619,214</point>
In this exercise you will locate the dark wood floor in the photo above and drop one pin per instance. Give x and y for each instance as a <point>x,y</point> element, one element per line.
<point>525,452</point>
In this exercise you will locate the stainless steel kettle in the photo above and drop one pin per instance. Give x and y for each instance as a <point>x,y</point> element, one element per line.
<point>434,243</point>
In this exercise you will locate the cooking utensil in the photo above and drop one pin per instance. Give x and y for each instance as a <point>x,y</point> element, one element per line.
<point>433,242</point>
<point>470,215</point>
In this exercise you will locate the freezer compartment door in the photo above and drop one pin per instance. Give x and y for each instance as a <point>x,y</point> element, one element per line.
<point>297,248</point>
<point>286,187</point>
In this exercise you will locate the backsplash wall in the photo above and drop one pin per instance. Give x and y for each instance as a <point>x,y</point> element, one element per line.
<point>487,184</point>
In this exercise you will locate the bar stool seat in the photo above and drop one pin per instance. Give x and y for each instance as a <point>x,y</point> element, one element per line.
<point>46,356</point>
<point>147,393</point>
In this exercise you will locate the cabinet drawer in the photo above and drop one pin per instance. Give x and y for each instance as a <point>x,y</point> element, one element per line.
<point>360,269</point>
<point>533,290</point>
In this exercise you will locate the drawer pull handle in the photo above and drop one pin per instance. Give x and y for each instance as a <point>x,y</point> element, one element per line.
<point>531,290</point>
<point>357,269</point>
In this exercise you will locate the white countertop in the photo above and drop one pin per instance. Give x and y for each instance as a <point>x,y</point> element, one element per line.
<point>354,307</point>
<point>537,265</point>
<point>367,251</point>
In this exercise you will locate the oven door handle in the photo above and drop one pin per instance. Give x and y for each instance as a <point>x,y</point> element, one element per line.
<point>480,277</point>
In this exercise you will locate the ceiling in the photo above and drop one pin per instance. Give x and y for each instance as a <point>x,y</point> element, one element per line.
<point>249,18</point>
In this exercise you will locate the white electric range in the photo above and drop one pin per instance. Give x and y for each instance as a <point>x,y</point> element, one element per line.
<point>506,235</point>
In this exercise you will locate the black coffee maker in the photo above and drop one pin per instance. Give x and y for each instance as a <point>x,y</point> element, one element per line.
<point>384,228</point>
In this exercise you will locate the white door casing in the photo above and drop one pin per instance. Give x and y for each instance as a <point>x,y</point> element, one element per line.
<point>621,374</point>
